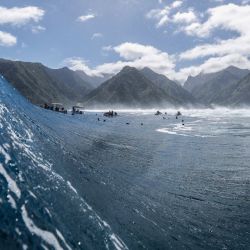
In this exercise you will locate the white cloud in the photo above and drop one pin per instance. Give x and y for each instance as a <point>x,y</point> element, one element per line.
<point>37,29</point>
<point>184,17</point>
<point>133,51</point>
<point>177,4</point>
<point>7,40</point>
<point>223,53</point>
<point>140,56</point>
<point>217,1</point>
<point>160,15</point>
<point>228,17</point>
<point>97,35</point>
<point>77,63</point>
<point>165,15</point>
<point>132,54</point>
<point>239,45</point>
<point>245,2</point>
<point>214,64</point>
<point>85,18</point>
<point>107,48</point>
<point>20,16</point>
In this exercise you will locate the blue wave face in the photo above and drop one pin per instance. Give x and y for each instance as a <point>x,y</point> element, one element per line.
<point>39,206</point>
<point>135,181</point>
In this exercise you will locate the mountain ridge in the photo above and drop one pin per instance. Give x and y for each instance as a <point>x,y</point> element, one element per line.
<point>95,81</point>
<point>129,88</point>
<point>215,88</point>
<point>168,86</point>
<point>241,93</point>
<point>41,84</point>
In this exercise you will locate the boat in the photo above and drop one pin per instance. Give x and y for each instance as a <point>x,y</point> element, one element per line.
<point>158,113</point>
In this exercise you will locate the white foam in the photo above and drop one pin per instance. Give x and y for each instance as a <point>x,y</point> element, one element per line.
<point>18,142</point>
<point>119,245</point>
<point>166,131</point>
<point>180,127</point>
<point>46,236</point>
<point>25,247</point>
<point>71,187</point>
<point>18,231</point>
<point>32,194</point>
<point>62,239</point>
<point>11,183</point>
<point>20,176</point>
<point>5,155</point>
<point>29,135</point>
<point>170,132</point>
<point>12,201</point>
<point>48,212</point>
<point>44,247</point>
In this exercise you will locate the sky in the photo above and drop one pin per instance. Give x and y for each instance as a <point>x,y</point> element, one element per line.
<point>174,38</point>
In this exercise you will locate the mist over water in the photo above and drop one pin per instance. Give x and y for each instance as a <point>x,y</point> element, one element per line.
<point>130,182</point>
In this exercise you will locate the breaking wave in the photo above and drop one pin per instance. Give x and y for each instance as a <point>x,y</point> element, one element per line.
<point>32,188</point>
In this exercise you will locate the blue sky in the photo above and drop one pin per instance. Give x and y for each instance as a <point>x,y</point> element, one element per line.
<point>175,38</point>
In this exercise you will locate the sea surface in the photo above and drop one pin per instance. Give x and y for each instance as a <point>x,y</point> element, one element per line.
<point>137,181</point>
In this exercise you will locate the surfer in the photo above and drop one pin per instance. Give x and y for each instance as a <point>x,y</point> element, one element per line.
<point>178,114</point>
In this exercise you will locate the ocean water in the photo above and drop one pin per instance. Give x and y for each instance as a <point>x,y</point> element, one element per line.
<point>73,182</point>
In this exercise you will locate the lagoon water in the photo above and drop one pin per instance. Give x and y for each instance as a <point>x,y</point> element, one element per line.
<point>71,182</point>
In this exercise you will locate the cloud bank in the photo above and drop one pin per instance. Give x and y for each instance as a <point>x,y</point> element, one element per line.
<point>7,40</point>
<point>18,17</point>
<point>216,55</point>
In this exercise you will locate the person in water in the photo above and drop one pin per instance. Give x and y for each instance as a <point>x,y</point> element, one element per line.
<point>73,110</point>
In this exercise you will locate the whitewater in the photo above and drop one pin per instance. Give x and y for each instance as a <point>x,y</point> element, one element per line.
<point>138,181</point>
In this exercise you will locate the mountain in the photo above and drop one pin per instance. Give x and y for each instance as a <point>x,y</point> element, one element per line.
<point>129,88</point>
<point>40,84</point>
<point>95,81</point>
<point>199,80</point>
<point>196,81</point>
<point>215,88</point>
<point>169,87</point>
<point>240,94</point>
